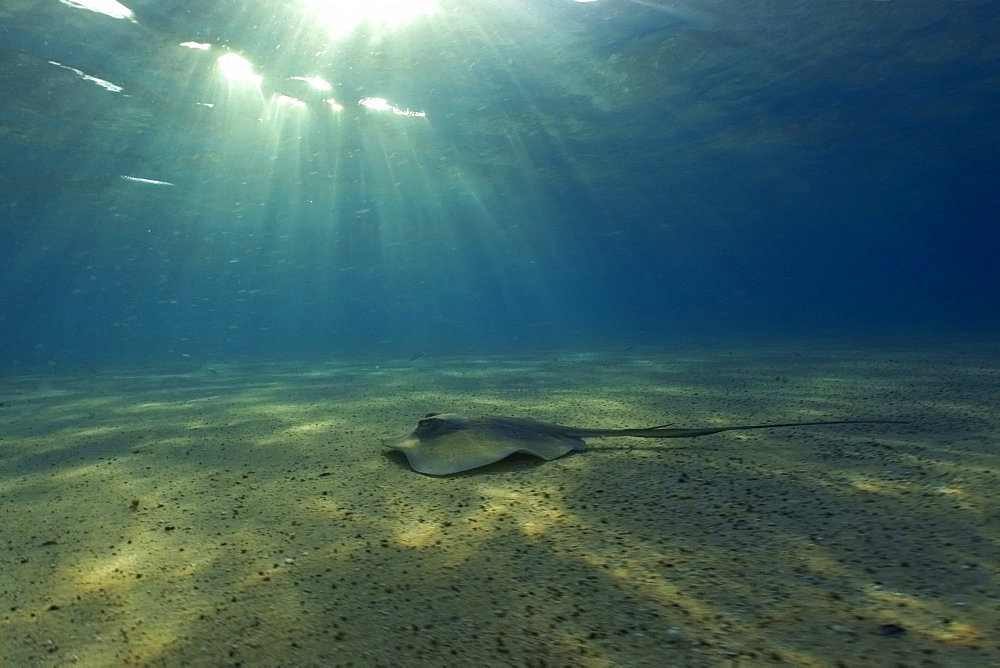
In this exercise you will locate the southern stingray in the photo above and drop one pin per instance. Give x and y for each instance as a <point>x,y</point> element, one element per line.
<point>444,443</point>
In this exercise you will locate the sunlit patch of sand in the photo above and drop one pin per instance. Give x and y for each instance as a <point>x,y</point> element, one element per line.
<point>250,514</point>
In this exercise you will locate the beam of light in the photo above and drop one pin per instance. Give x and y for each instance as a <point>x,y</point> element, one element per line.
<point>290,101</point>
<point>238,68</point>
<point>107,85</point>
<point>196,45</point>
<point>378,103</point>
<point>381,104</point>
<point>341,16</point>
<point>137,179</point>
<point>107,7</point>
<point>315,82</point>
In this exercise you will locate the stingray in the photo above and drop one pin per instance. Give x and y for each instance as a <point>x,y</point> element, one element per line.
<point>444,443</point>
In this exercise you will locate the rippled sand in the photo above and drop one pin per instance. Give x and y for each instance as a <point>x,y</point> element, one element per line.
<point>245,514</point>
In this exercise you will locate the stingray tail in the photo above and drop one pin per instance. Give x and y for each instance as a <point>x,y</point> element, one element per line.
<point>662,432</point>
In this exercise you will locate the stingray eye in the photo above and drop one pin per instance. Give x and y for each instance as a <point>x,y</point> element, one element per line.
<point>429,424</point>
<point>431,415</point>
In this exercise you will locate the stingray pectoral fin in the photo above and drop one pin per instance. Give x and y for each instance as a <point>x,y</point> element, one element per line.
<point>552,447</point>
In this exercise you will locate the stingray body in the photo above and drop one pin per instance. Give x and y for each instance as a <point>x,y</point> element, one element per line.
<point>444,443</point>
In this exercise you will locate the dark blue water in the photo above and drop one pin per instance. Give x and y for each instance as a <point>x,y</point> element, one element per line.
<point>584,174</point>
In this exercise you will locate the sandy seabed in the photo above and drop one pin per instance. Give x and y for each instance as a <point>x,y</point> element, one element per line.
<point>217,514</point>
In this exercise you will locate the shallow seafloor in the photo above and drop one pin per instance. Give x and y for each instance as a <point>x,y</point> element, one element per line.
<point>245,514</point>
